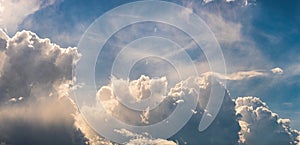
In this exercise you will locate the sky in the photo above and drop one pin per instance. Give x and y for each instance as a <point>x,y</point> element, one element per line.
<point>259,39</point>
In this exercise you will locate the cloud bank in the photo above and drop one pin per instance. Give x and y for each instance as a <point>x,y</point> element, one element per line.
<point>36,105</point>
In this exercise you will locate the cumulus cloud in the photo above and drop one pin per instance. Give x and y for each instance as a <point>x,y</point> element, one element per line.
<point>241,122</point>
<point>277,70</point>
<point>137,90</point>
<point>36,106</point>
<point>222,131</point>
<point>33,67</point>
<point>261,126</point>
<point>35,81</point>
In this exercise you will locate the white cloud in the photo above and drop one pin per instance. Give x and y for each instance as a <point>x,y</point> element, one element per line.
<point>36,76</point>
<point>142,87</point>
<point>277,70</point>
<point>187,135</point>
<point>34,89</point>
<point>143,139</point>
<point>225,31</point>
<point>241,75</point>
<point>147,141</point>
<point>243,2</point>
<point>223,130</point>
<point>139,89</point>
<point>249,114</point>
<point>13,12</point>
<point>89,133</point>
<point>207,1</point>
<point>261,126</point>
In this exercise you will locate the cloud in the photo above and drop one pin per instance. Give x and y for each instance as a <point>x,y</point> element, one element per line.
<point>207,1</point>
<point>146,141</point>
<point>241,75</point>
<point>261,126</point>
<point>13,12</point>
<point>243,2</point>
<point>36,106</point>
<point>241,122</point>
<point>223,130</point>
<point>142,87</point>
<point>225,123</point>
<point>32,67</point>
<point>35,80</point>
<point>89,133</point>
<point>225,31</point>
<point>277,70</point>
<point>231,23</point>
<point>139,139</point>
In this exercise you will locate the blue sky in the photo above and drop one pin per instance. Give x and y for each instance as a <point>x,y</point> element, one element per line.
<point>255,35</point>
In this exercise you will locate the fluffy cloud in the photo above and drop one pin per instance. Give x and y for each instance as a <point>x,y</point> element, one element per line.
<point>35,81</point>
<point>36,108</point>
<point>34,67</point>
<point>246,121</point>
<point>224,130</point>
<point>35,103</point>
<point>261,126</point>
<point>277,70</point>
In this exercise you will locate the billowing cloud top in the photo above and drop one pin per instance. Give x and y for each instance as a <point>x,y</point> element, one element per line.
<point>36,105</point>
<point>35,78</point>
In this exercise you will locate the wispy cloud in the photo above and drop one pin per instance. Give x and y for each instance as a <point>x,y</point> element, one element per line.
<point>13,12</point>
<point>237,75</point>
